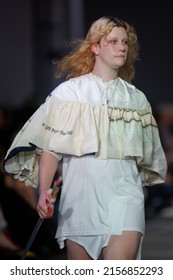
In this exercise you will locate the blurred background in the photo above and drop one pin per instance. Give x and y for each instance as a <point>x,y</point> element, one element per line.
<point>33,34</point>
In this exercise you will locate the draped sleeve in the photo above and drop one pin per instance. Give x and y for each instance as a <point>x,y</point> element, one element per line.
<point>58,126</point>
<point>75,128</point>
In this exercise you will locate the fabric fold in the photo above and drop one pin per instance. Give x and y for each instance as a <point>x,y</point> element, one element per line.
<point>77,128</point>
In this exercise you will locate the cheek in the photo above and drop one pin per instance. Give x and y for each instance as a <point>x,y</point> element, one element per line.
<point>107,56</point>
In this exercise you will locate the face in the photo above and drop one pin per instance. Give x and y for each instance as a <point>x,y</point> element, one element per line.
<point>112,50</point>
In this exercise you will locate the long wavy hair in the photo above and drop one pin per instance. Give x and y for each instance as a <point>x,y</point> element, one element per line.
<point>81,59</point>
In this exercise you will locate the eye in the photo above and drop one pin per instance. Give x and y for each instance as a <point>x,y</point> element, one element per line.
<point>112,42</point>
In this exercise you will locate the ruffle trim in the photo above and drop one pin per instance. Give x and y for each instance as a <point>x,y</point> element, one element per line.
<point>76,128</point>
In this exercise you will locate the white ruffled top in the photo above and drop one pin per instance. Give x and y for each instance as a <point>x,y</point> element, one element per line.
<point>86,115</point>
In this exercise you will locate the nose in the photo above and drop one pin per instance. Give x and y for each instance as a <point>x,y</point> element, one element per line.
<point>122,46</point>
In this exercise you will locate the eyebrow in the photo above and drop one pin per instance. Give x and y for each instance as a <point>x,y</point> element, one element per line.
<point>117,38</point>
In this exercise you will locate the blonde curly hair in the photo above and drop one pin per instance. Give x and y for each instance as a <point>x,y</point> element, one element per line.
<point>81,59</point>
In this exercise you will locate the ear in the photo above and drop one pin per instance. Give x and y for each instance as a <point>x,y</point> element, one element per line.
<point>95,49</point>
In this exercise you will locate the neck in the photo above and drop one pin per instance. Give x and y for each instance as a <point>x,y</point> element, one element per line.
<point>106,74</point>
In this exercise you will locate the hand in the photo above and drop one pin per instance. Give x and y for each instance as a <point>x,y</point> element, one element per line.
<point>45,206</point>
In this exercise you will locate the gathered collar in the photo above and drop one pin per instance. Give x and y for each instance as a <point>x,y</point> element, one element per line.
<point>99,79</point>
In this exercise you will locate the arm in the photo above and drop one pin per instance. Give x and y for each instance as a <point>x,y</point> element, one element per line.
<point>48,167</point>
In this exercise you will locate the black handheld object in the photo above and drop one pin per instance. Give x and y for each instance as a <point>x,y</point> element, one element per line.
<point>55,189</point>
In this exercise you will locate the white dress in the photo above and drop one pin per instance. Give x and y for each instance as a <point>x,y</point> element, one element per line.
<point>99,198</point>
<point>111,148</point>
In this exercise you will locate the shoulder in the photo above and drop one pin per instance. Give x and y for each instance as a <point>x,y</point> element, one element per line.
<point>136,94</point>
<point>79,88</point>
<point>71,89</point>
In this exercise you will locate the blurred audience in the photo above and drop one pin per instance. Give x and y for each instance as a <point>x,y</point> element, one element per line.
<point>165,119</point>
<point>5,240</point>
<point>18,202</point>
<point>161,196</point>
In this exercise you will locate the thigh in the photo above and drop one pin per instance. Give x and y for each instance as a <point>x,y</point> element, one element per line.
<point>76,251</point>
<point>122,247</point>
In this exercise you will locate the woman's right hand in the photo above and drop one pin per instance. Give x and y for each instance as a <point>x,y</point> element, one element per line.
<point>45,207</point>
<point>48,167</point>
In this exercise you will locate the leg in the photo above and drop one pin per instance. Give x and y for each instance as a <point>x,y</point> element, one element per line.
<point>76,251</point>
<point>122,247</point>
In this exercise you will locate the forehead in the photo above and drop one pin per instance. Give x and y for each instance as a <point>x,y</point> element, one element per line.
<point>117,32</point>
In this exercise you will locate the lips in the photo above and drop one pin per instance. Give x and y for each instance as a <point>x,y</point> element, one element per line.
<point>120,56</point>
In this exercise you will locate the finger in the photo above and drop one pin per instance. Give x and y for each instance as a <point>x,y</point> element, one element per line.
<point>42,212</point>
